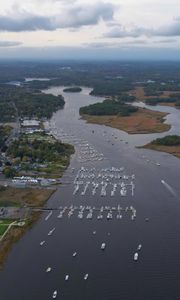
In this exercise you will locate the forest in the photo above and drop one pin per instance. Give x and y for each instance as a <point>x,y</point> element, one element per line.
<point>4,133</point>
<point>23,102</point>
<point>108,107</point>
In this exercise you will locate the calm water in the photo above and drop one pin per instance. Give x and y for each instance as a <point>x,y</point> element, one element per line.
<point>113,275</point>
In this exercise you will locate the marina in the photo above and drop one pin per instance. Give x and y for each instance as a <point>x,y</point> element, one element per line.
<point>140,218</point>
<point>99,213</point>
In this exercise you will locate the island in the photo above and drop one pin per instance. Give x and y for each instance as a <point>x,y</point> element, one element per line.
<point>72,90</point>
<point>169,144</point>
<point>117,114</point>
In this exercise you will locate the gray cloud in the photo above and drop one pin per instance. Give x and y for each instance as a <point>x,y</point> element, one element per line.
<point>71,17</point>
<point>114,44</point>
<point>166,41</point>
<point>171,30</point>
<point>9,43</point>
<point>101,45</point>
<point>28,23</point>
<point>121,32</point>
<point>165,31</point>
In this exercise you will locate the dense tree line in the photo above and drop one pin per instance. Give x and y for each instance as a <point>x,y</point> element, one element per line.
<point>73,90</point>
<point>40,151</point>
<point>170,140</point>
<point>4,133</point>
<point>108,107</point>
<point>26,102</point>
<point>154,101</point>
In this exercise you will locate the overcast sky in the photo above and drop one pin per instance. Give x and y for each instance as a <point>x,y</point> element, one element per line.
<point>90,28</point>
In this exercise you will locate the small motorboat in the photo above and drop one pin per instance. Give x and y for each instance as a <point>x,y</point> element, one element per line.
<point>42,243</point>
<point>48,270</point>
<point>54,294</point>
<point>66,277</point>
<point>103,246</point>
<point>51,231</point>
<point>74,254</point>
<point>86,276</point>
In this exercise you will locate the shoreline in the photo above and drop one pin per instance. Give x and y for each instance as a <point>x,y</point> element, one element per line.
<point>173,150</point>
<point>142,122</point>
<point>16,232</point>
<point>24,198</point>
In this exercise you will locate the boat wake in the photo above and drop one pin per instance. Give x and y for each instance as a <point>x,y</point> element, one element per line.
<point>169,188</point>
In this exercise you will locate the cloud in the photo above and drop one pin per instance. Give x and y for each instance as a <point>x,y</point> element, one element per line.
<point>9,43</point>
<point>164,31</point>
<point>121,32</point>
<point>171,30</point>
<point>166,41</point>
<point>69,17</point>
<point>28,23</point>
<point>100,45</point>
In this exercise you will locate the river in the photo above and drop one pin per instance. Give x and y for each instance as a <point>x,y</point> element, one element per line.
<point>113,273</point>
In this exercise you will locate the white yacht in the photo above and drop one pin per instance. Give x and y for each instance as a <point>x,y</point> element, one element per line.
<point>136,256</point>
<point>86,276</point>
<point>66,277</point>
<point>42,243</point>
<point>103,245</point>
<point>48,270</point>
<point>54,294</point>
<point>74,254</point>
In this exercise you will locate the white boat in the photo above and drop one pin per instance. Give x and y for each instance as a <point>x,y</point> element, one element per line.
<point>66,277</point>
<point>42,243</point>
<point>94,232</point>
<point>86,276</point>
<point>139,247</point>
<point>136,256</point>
<point>48,270</point>
<point>74,254</point>
<point>51,231</point>
<point>109,216</point>
<point>103,245</point>
<point>54,294</point>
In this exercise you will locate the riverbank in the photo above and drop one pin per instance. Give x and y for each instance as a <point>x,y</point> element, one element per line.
<point>169,144</point>
<point>21,199</point>
<point>174,150</point>
<point>143,121</point>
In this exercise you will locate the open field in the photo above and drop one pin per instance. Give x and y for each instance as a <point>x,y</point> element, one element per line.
<point>19,197</point>
<point>13,235</point>
<point>143,121</point>
<point>174,150</point>
<point>140,95</point>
